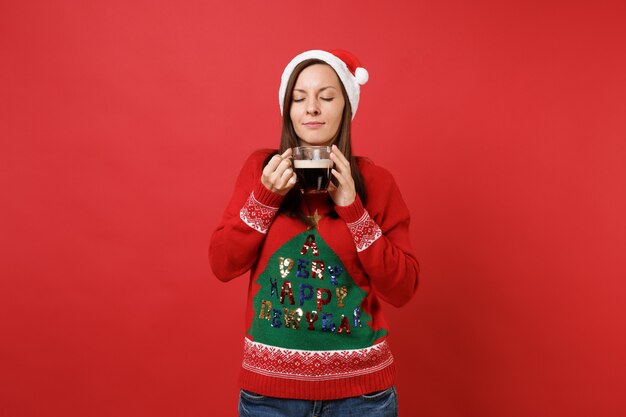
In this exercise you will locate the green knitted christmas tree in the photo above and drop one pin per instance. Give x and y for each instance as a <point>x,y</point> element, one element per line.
<point>308,301</point>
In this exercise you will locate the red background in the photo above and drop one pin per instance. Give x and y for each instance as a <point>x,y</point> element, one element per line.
<point>124,124</point>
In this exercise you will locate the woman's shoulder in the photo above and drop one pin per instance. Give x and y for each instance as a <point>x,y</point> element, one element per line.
<point>261,154</point>
<point>382,189</point>
<point>258,157</point>
<point>372,173</point>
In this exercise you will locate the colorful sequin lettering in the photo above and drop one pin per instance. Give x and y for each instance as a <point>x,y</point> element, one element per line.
<point>344,325</point>
<point>357,317</point>
<point>322,300</point>
<point>292,318</point>
<point>286,290</point>
<point>273,288</point>
<point>327,322</point>
<point>334,272</point>
<point>303,268</point>
<point>285,265</point>
<point>309,243</point>
<point>311,317</point>
<point>306,293</point>
<point>341,293</point>
<point>276,318</point>
<point>316,269</point>
<point>266,308</point>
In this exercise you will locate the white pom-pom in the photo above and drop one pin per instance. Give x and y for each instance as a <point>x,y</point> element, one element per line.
<point>361,75</point>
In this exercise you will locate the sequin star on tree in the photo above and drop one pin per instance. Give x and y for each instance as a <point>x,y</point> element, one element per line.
<point>314,219</point>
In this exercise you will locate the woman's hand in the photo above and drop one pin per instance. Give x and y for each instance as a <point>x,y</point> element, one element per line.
<point>278,176</point>
<point>344,193</point>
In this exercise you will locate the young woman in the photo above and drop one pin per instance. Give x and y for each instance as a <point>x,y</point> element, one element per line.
<point>319,263</point>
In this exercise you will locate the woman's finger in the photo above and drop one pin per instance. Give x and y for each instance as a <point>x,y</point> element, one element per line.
<point>286,175</point>
<point>340,177</point>
<point>340,156</point>
<point>335,150</point>
<point>284,165</point>
<point>341,163</point>
<point>276,160</point>
<point>287,153</point>
<point>292,180</point>
<point>272,164</point>
<point>286,181</point>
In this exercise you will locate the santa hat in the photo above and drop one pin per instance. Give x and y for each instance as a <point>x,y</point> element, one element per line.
<point>346,65</point>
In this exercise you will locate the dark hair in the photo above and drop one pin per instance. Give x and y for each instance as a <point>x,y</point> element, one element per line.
<point>289,139</point>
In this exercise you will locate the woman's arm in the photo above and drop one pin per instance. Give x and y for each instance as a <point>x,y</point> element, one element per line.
<point>259,190</point>
<point>382,238</point>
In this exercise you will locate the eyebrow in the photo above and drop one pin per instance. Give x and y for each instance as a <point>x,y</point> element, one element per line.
<point>321,89</point>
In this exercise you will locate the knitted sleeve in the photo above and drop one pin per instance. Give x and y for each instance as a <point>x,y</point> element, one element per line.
<point>382,238</point>
<point>235,243</point>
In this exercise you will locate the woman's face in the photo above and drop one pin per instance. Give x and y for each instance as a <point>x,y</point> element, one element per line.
<point>317,105</point>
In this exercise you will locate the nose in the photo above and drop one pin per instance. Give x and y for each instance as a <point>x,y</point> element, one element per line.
<point>312,107</point>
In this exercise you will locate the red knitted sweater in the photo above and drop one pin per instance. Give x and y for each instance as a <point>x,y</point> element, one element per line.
<point>315,328</point>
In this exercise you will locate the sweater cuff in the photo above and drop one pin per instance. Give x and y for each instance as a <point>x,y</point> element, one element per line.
<point>265,196</point>
<point>351,213</point>
<point>363,228</point>
<point>260,208</point>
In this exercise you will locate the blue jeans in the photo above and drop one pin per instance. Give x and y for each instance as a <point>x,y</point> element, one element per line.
<point>377,404</point>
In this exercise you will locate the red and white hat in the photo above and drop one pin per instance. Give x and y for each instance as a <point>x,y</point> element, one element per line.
<point>346,65</point>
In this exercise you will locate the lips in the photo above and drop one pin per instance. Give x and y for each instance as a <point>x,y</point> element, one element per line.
<point>313,125</point>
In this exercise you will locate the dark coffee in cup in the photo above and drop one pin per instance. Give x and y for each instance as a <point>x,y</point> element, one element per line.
<point>312,165</point>
<point>313,175</point>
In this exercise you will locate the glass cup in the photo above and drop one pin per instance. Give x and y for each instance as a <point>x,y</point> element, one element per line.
<point>312,165</point>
